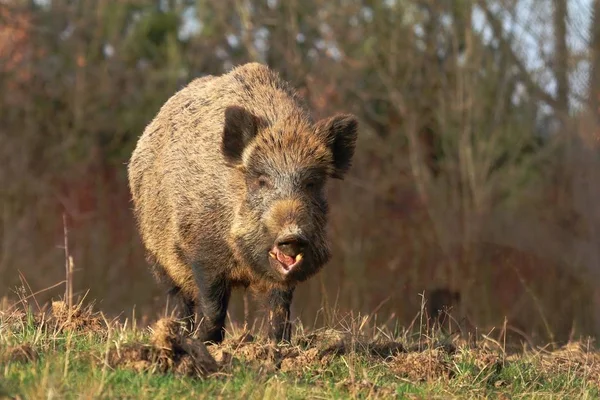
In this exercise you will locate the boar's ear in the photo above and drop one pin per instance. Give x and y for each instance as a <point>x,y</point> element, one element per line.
<point>339,132</point>
<point>239,129</point>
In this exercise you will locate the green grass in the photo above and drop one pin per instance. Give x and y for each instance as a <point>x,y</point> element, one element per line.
<point>70,364</point>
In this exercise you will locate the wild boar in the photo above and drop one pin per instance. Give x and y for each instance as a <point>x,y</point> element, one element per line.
<point>228,187</point>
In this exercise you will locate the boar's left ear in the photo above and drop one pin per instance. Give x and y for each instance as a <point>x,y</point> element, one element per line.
<point>340,133</point>
<point>239,129</point>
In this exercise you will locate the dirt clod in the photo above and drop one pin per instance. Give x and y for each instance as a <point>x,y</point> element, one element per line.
<point>135,356</point>
<point>302,360</point>
<point>168,351</point>
<point>21,353</point>
<point>76,318</point>
<point>422,366</point>
<point>487,360</point>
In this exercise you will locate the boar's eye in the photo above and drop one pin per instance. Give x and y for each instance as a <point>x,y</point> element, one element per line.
<point>263,182</point>
<point>313,185</point>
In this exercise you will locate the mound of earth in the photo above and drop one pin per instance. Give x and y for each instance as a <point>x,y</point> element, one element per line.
<point>168,351</point>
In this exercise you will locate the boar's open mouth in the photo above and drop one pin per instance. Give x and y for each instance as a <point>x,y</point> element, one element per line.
<point>285,263</point>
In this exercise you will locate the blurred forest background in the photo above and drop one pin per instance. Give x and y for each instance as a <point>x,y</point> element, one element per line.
<point>477,168</point>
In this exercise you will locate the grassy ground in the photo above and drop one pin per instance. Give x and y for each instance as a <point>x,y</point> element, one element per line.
<point>79,354</point>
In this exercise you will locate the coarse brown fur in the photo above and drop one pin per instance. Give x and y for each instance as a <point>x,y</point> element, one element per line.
<point>231,167</point>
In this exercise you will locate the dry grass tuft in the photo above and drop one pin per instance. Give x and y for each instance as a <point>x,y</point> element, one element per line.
<point>574,359</point>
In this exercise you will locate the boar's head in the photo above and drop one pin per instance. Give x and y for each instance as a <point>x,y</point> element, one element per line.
<point>280,216</point>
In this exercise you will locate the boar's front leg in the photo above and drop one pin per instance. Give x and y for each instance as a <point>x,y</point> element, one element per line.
<point>188,309</point>
<point>214,294</point>
<point>280,328</point>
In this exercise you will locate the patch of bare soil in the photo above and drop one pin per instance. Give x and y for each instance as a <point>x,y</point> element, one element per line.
<point>168,351</point>
<point>314,350</point>
<point>22,353</point>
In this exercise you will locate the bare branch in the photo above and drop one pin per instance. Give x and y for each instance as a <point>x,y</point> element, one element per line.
<point>507,49</point>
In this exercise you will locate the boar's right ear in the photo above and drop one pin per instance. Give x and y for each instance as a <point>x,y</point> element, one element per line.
<point>339,132</point>
<point>239,129</point>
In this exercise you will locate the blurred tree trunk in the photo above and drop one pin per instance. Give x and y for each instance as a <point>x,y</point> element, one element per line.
<point>561,58</point>
<point>594,92</point>
<point>560,69</point>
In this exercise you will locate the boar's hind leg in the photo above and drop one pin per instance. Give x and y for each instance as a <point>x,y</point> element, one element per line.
<point>214,299</point>
<point>279,314</point>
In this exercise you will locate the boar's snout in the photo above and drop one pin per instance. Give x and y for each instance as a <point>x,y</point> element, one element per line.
<point>291,245</point>
<point>296,238</point>
<point>288,251</point>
